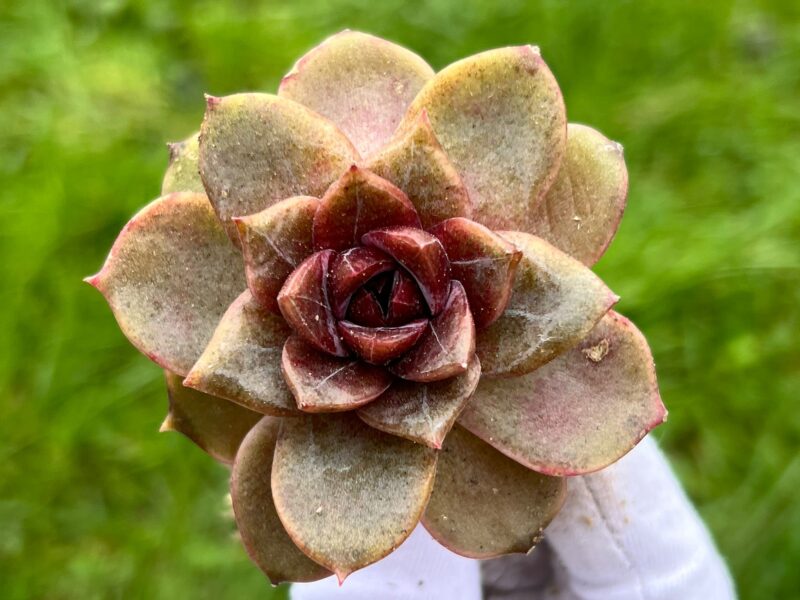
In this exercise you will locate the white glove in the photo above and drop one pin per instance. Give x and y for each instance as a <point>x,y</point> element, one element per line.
<point>627,532</point>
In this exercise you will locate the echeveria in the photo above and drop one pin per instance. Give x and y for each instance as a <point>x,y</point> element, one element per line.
<point>340,275</point>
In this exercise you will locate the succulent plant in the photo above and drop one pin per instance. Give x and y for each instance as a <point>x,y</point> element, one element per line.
<point>371,294</point>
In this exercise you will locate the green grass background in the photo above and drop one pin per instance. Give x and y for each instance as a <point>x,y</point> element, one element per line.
<point>705,97</point>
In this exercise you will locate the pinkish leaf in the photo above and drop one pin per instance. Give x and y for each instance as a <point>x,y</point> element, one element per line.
<point>483,262</point>
<point>484,504</point>
<point>580,412</point>
<point>366,310</point>
<point>348,494</point>
<point>359,202</point>
<point>304,303</point>
<point>422,412</point>
<point>379,345</point>
<point>183,173</point>
<point>362,83</point>
<point>242,361</point>
<point>263,535</point>
<point>555,302</point>
<point>350,270</point>
<point>216,425</point>
<point>500,118</point>
<point>169,278</point>
<point>258,149</point>
<point>405,300</point>
<point>581,211</point>
<point>324,383</point>
<point>274,242</point>
<point>417,165</point>
<point>422,255</point>
<point>448,345</point>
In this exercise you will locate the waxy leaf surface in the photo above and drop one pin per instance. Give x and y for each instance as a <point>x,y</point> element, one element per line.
<point>379,345</point>
<point>578,413</point>
<point>422,412</point>
<point>216,425</point>
<point>417,165</point>
<point>169,278</point>
<point>274,242</point>
<point>324,383</point>
<point>262,532</point>
<point>365,309</point>
<point>555,302</point>
<point>500,118</point>
<point>362,83</point>
<point>359,202</point>
<point>483,262</point>
<point>351,269</point>
<point>242,360</point>
<point>348,494</point>
<point>304,303</point>
<point>405,301</point>
<point>258,149</point>
<point>484,504</point>
<point>582,209</point>
<point>448,345</point>
<point>422,255</point>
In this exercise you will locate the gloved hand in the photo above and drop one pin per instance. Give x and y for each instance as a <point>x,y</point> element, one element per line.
<point>627,532</point>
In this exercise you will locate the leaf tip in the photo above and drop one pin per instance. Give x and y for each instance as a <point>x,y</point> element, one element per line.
<point>168,424</point>
<point>94,280</point>
<point>341,576</point>
<point>212,101</point>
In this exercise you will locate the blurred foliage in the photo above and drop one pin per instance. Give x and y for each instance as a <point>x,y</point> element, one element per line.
<point>704,97</point>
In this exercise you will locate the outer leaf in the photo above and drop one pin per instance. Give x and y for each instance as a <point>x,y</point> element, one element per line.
<point>169,278</point>
<point>379,345</point>
<point>183,173</point>
<point>554,303</point>
<point>274,242</point>
<point>359,202</point>
<point>485,505</point>
<point>417,165</point>
<point>422,255</point>
<point>362,83</point>
<point>324,383</point>
<point>448,345</point>
<point>350,270</point>
<point>261,530</point>
<point>500,118</point>
<point>304,303</point>
<point>578,413</point>
<point>483,262</point>
<point>258,149</point>
<point>214,424</point>
<point>581,211</point>
<point>422,412</point>
<point>242,360</point>
<point>348,494</point>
